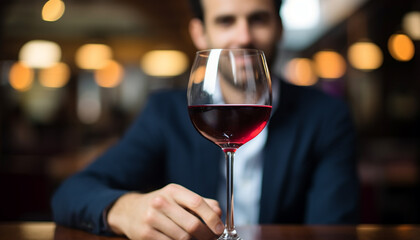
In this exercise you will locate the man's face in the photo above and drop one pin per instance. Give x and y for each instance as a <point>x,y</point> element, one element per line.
<point>242,24</point>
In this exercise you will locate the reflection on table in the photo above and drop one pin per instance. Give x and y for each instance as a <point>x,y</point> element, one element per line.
<point>50,231</point>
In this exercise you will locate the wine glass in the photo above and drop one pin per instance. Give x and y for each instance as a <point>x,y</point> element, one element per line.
<point>229,103</point>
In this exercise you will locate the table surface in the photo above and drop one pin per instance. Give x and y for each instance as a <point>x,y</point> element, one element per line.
<point>48,230</point>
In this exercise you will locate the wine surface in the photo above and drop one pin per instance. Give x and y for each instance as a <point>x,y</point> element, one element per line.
<point>229,126</point>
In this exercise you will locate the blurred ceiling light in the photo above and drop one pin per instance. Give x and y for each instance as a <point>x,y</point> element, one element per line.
<point>53,10</point>
<point>329,64</point>
<point>21,76</point>
<point>56,76</point>
<point>300,14</point>
<point>300,71</point>
<point>365,56</point>
<point>40,53</point>
<point>411,24</point>
<point>109,76</point>
<point>164,63</point>
<point>93,56</point>
<point>401,47</point>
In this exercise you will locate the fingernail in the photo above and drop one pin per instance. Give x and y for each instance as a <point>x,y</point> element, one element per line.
<point>220,228</point>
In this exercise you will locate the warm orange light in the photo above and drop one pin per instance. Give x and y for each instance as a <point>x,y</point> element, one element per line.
<point>405,227</point>
<point>43,230</point>
<point>21,77</point>
<point>56,76</point>
<point>164,63</point>
<point>109,76</point>
<point>93,56</point>
<point>401,47</point>
<point>300,71</point>
<point>365,56</point>
<point>53,10</point>
<point>198,74</point>
<point>329,64</point>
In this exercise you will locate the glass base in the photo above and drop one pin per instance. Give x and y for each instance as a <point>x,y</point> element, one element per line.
<point>229,235</point>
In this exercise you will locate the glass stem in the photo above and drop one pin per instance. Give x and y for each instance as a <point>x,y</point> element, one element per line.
<point>230,232</point>
<point>230,226</point>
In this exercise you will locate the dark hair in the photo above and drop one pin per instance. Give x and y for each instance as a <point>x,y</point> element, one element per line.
<point>197,8</point>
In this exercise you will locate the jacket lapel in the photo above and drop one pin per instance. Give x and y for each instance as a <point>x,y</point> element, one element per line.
<point>207,170</point>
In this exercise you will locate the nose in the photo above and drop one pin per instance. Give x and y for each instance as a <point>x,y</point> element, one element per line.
<point>243,35</point>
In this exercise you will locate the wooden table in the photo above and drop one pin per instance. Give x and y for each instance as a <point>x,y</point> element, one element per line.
<point>48,231</point>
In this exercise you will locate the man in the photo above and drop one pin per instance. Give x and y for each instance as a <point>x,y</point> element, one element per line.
<point>162,180</point>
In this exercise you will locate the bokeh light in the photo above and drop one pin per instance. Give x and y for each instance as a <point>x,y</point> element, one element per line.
<point>41,104</point>
<point>56,76</point>
<point>365,56</point>
<point>21,76</point>
<point>53,10</point>
<point>300,71</point>
<point>329,64</point>
<point>88,109</point>
<point>411,24</point>
<point>109,76</point>
<point>198,74</point>
<point>93,56</point>
<point>89,106</point>
<point>40,53</point>
<point>299,14</point>
<point>164,63</point>
<point>401,47</point>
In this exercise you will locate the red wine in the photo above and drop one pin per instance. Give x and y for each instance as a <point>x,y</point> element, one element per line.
<point>229,126</point>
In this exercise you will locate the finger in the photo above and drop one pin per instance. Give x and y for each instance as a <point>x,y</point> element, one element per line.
<point>214,205</point>
<point>198,205</point>
<point>189,221</point>
<point>180,216</point>
<point>162,222</point>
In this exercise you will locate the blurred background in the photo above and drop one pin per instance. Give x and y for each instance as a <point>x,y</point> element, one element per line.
<point>74,74</point>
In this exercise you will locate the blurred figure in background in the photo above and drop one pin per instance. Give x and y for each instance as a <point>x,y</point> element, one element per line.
<point>163,180</point>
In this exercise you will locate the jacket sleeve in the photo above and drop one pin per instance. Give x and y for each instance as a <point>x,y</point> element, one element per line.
<point>333,196</point>
<point>133,164</point>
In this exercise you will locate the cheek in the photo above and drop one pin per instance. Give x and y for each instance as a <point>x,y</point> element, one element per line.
<point>265,41</point>
<point>265,38</point>
<point>219,42</point>
<point>221,39</point>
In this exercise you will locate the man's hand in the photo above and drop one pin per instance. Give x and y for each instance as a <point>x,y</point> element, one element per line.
<point>172,212</point>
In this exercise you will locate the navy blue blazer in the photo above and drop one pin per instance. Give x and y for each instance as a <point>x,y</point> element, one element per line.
<point>309,169</point>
